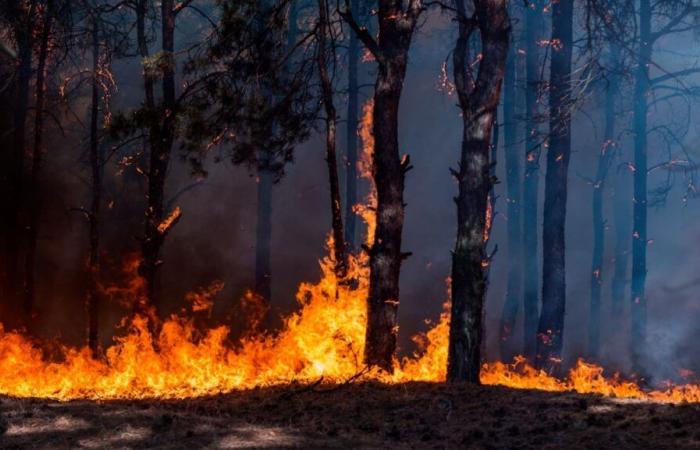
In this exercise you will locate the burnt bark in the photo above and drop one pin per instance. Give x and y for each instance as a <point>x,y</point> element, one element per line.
<point>479,105</point>
<point>396,26</point>
<point>33,194</point>
<point>551,325</point>
<point>534,23</point>
<point>324,32</point>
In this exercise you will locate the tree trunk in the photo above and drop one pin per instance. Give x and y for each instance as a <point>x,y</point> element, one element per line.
<point>604,160</point>
<point>93,294</point>
<point>396,25</point>
<point>34,196</point>
<point>263,235</point>
<point>551,325</point>
<point>331,159</point>
<point>639,235</point>
<point>351,139</point>
<point>478,105</point>
<point>623,229</point>
<point>161,140</point>
<point>23,35</point>
<point>514,227</point>
<point>534,24</point>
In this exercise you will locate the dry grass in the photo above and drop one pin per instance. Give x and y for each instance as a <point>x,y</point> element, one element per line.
<point>364,415</point>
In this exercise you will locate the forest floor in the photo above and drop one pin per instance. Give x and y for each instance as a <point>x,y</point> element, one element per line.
<point>364,415</point>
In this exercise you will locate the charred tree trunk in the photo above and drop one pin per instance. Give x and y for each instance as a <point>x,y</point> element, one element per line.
<point>551,325</point>
<point>607,152</point>
<point>161,142</point>
<point>639,235</point>
<point>478,105</point>
<point>351,138</point>
<point>396,26</point>
<point>514,229</point>
<point>263,235</point>
<point>23,30</point>
<point>7,81</point>
<point>324,32</point>
<point>531,179</point>
<point>93,294</point>
<point>34,196</point>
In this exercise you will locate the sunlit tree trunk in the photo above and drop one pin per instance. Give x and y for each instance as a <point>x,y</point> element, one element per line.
<point>534,23</point>
<point>479,105</point>
<point>33,194</point>
<point>551,324</point>
<point>639,235</point>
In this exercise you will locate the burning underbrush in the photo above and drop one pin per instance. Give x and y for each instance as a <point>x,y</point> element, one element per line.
<point>322,342</point>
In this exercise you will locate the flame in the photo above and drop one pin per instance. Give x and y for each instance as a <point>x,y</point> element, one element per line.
<point>366,209</point>
<point>324,340</point>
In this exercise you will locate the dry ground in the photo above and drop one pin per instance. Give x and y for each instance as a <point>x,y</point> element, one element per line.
<point>368,415</point>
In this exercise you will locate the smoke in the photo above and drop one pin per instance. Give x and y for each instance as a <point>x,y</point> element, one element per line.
<point>214,239</point>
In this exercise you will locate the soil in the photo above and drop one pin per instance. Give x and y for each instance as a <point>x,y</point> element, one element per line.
<point>361,415</point>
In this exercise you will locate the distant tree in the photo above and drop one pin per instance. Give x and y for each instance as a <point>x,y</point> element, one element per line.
<point>551,325</point>
<point>670,17</point>
<point>253,97</point>
<point>358,10</point>
<point>534,33</point>
<point>478,100</point>
<point>513,167</point>
<point>397,23</point>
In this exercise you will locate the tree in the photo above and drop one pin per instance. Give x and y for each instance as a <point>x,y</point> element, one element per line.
<point>33,194</point>
<point>161,137</point>
<point>682,15</point>
<point>551,325</point>
<point>358,11</point>
<point>325,33</point>
<point>513,295</point>
<point>611,68</point>
<point>534,30</point>
<point>252,95</point>
<point>21,18</point>
<point>397,23</point>
<point>478,101</point>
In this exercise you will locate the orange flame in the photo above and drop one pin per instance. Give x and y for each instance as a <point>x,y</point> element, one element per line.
<point>323,340</point>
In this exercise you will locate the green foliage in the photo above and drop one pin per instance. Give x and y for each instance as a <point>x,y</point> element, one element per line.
<point>253,91</point>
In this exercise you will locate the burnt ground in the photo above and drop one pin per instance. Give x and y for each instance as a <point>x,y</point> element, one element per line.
<point>414,415</point>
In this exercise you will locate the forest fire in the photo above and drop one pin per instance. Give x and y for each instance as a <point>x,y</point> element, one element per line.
<point>171,170</point>
<point>323,342</point>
